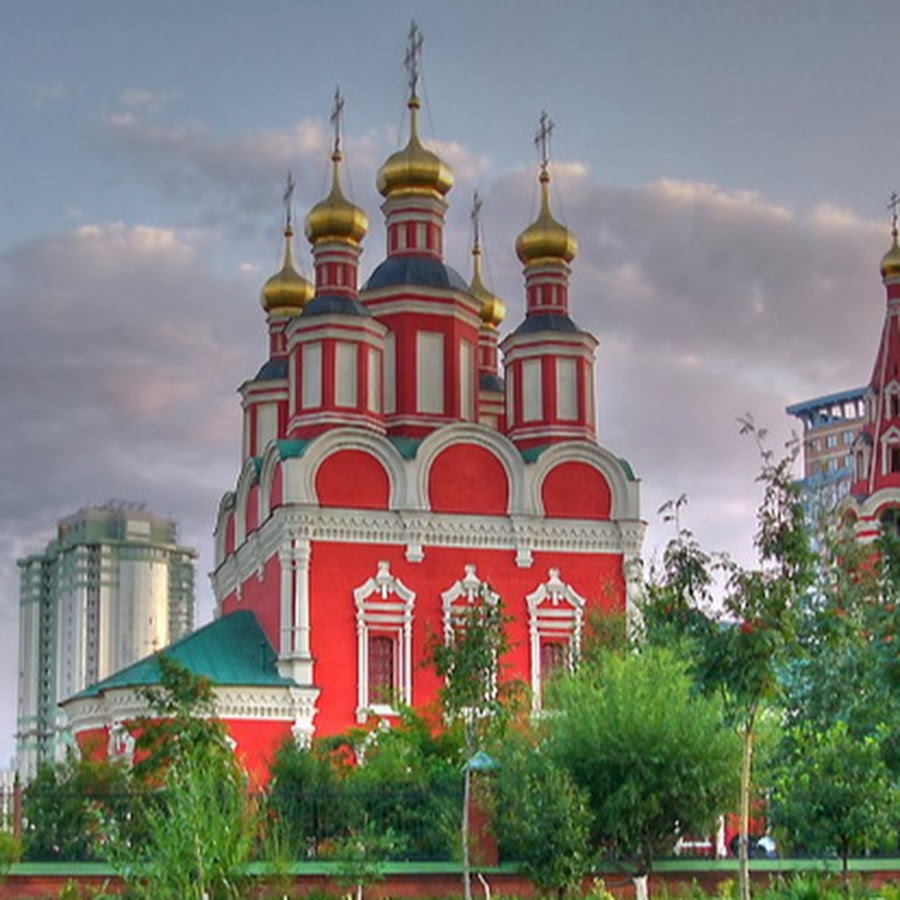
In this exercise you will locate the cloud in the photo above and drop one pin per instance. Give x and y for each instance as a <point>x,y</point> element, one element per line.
<point>46,94</point>
<point>120,351</point>
<point>708,303</point>
<point>146,100</point>
<point>466,165</point>
<point>121,345</point>
<point>228,184</point>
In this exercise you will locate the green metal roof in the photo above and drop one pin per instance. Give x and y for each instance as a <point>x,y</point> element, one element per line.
<point>407,447</point>
<point>287,449</point>
<point>626,468</point>
<point>532,454</point>
<point>232,650</point>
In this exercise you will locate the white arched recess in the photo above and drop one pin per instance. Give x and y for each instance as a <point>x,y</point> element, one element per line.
<point>869,511</point>
<point>226,508</point>
<point>470,433</point>
<point>248,477</point>
<point>624,491</point>
<point>299,483</point>
<point>271,460</point>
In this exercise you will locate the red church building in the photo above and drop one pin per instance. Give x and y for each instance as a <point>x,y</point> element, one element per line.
<point>392,468</point>
<point>874,500</point>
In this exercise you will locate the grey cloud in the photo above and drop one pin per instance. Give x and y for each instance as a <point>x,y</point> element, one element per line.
<point>121,348</point>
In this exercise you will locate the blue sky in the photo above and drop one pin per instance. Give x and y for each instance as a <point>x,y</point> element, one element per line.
<point>725,166</point>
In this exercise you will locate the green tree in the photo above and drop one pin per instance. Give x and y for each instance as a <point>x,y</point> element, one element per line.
<point>654,756</point>
<point>835,793</point>
<point>474,695</point>
<point>198,832</point>
<point>408,783</point>
<point>61,806</point>
<point>739,650</point>
<point>361,855</point>
<point>192,826</point>
<point>306,799</point>
<point>543,819</point>
<point>846,666</point>
<point>182,719</point>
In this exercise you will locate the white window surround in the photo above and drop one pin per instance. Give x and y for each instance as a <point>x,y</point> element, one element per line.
<point>266,425</point>
<point>890,439</point>
<point>384,605</point>
<point>430,372</point>
<point>373,381</point>
<point>467,592</point>
<point>466,387</point>
<point>555,612</point>
<point>345,361</point>
<point>120,746</point>
<point>566,389</point>
<point>389,366</point>
<point>312,376</point>
<point>532,390</point>
<point>461,595</point>
<point>891,400</point>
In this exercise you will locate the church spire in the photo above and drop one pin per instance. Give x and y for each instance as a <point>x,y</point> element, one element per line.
<point>493,309</point>
<point>878,451</point>
<point>335,218</point>
<point>287,291</point>
<point>549,360</point>
<point>545,238</point>
<point>414,169</point>
<point>890,262</point>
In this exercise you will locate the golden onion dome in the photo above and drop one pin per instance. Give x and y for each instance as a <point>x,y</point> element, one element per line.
<point>336,218</point>
<point>287,291</point>
<point>493,309</point>
<point>890,262</point>
<point>546,238</point>
<point>414,169</point>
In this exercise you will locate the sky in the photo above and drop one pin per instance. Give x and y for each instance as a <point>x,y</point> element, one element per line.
<point>725,166</point>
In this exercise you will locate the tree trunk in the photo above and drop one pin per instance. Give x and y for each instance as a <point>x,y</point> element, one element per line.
<point>640,887</point>
<point>467,869</point>
<point>744,838</point>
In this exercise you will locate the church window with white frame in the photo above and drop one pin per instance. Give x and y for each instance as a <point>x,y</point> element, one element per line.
<point>458,601</point>
<point>555,623</point>
<point>384,615</point>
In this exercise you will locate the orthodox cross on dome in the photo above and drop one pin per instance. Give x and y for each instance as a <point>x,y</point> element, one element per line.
<point>337,112</point>
<point>893,204</point>
<point>542,139</point>
<point>288,193</point>
<point>413,58</point>
<point>476,219</point>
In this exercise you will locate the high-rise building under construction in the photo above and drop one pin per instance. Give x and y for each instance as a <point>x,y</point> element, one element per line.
<point>111,588</point>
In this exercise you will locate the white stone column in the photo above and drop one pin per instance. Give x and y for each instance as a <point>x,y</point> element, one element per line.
<point>295,660</point>
<point>633,571</point>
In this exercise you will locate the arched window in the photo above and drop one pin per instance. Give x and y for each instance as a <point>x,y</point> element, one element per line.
<point>890,521</point>
<point>384,615</point>
<point>555,622</point>
<point>382,681</point>
<point>459,603</point>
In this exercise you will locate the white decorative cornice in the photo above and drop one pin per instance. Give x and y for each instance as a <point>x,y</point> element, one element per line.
<point>522,535</point>
<point>517,346</point>
<point>116,706</point>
